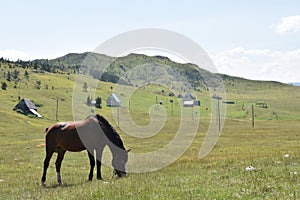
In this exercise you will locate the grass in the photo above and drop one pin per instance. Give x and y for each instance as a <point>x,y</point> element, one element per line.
<point>220,175</point>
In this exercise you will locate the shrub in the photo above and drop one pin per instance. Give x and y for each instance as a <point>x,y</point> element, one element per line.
<point>3,86</point>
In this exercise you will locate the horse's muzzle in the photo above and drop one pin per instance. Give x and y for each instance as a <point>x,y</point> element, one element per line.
<point>120,174</point>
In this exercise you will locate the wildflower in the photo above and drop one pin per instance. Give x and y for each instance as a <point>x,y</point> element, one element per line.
<point>250,168</point>
<point>287,155</point>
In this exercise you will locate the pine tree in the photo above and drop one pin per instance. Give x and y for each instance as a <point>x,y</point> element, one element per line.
<point>26,74</point>
<point>8,76</point>
<point>88,101</point>
<point>98,102</point>
<point>85,87</point>
<point>3,86</point>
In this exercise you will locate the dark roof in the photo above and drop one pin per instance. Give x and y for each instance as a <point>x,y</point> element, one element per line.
<point>189,96</point>
<point>25,104</point>
<point>29,104</point>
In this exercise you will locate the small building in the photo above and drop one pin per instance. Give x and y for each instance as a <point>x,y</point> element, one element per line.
<point>197,103</point>
<point>93,102</point>
<point>188,100</point>
<point>113,101</point>
<point>189,97</point>
<point>26,107</point>
<point>189,103</point>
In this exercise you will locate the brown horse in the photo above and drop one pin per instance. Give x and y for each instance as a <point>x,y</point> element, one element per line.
<point>91,134</point>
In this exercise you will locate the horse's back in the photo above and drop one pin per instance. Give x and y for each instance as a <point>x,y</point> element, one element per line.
<point>63,135</point>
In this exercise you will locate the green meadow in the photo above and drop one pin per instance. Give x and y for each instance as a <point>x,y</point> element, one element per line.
<point>271,147</point>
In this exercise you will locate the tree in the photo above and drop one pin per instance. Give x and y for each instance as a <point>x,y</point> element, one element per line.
<point>26,74</point>
<point>16,75</point>
<point>98,102</point>
<point>8,76</point>
<point>35,65</point>
<point>88,101</point>
<point>38,84</point>
<point>85,87</point>
<point>3,86</point>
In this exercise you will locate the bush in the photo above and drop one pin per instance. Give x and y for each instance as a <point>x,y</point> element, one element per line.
<point>3,86</point>
<point>98,102</point>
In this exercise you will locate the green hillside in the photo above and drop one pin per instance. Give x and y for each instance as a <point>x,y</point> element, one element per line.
<point>44,81</point>
<point>111,69</point>
<point>219,175</point>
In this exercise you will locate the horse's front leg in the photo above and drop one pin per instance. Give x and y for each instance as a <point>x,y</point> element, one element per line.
<point>92,165</point>
<point>99,177</point>
<point>99,157</point>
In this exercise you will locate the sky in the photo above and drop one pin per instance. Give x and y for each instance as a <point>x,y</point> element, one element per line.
<point>258,40</point>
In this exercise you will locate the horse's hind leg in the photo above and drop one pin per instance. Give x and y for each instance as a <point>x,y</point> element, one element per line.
<point>92,165</point>
<point>46,165</point>
<point>60,157</point>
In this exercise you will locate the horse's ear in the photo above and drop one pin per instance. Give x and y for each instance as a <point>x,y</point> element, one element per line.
<point>128,150</point>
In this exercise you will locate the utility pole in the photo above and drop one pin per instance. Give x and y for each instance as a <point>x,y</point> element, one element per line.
<point>219,115</point>
<point>118,116</point>
<point>56,108</point>
<point>252,115</point>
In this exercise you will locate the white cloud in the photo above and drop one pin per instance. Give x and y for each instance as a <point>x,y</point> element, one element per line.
<point>260,64</point>
<point>289,24</point>
<point>14,55</point>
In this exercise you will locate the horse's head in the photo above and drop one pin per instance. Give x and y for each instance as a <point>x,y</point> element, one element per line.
<point>115,143</point>
<point>119,162</point>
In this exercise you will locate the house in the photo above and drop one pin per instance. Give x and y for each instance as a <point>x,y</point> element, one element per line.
<point>189,97</point>
<point>188,103</point>
<point>113,101</point>
<point>26,107</point>
<point>188,100</point>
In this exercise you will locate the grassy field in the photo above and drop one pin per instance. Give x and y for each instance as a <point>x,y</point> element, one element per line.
<point>220,175</point>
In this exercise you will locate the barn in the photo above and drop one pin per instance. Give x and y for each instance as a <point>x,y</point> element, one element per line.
<point>26,107</point>
<point>113,101</point>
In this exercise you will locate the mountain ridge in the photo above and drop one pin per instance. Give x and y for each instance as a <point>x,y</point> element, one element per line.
<point>114,69</point>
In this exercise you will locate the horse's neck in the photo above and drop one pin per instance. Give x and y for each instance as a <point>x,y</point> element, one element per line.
<point>115,147</point>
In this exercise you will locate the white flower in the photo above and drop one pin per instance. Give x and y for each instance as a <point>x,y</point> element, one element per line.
<point>250,168</point>
<point>287,155</point>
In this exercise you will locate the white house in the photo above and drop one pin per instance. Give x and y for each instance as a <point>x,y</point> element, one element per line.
<point>189,103</point>
<point>113,101</point>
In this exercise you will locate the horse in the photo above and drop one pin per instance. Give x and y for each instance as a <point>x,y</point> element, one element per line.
<point>91,134</point>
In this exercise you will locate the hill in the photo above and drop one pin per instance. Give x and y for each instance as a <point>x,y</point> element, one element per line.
<point>111,69</point>
<point>276,134</point>
<point>45,80</point>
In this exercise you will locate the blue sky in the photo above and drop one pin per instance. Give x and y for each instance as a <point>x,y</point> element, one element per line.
<point>252,39</point>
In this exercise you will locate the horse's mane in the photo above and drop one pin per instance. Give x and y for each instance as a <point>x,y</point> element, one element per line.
<point>113,136</point>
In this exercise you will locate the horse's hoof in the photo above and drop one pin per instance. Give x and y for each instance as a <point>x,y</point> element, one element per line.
<point>43,184</point>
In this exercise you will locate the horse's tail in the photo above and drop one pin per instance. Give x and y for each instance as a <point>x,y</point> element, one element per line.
<point>46,129</point>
